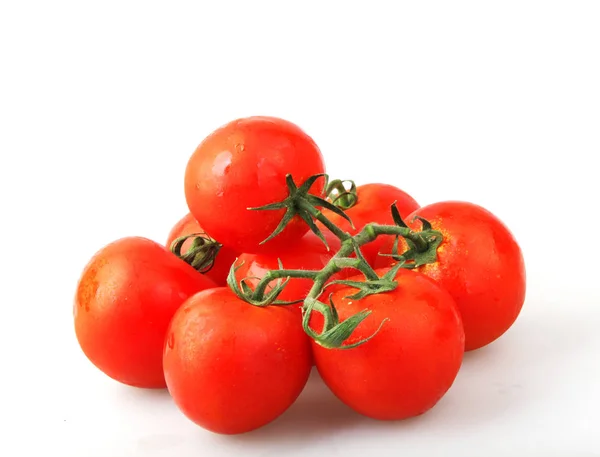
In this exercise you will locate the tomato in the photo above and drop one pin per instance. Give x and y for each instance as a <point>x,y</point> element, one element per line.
<point>232,367</point>
<point>479,263</point>
<point>225,258</point>
<point>309,253</point>
<point>242,165</point>
<point>373,205</point>
<point>125,298</point>
<point>406,368</point>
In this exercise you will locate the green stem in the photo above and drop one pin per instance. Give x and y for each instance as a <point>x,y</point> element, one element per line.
<point>372,231</point>
<point>340,260</point>
<point>364,266</point>
<point>334,332</point>
<point>422,250</point>
<point>318,215</point>
<point>272,275</point>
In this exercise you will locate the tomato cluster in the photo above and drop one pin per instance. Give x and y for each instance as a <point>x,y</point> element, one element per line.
<point>277,269</point>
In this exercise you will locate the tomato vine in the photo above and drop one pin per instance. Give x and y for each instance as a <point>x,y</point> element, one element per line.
<point>422,249</point>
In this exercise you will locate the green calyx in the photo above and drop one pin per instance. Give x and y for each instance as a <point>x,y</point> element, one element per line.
<point>422,245</point>
<point>341,197</point>
<point>334,333</point>
<point>301,203</point>
<point>201,254</point>
<point>422,249</point>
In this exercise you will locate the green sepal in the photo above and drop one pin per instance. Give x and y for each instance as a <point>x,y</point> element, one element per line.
<point>335,337</point>
<point>319,202</point>
<point>201,254</point>
<point>306,217</point>
<point>396,216</point>
<point>426,225</point>
<point>245,292</point>
<point>366,288</point>
<point>306,185</point>
<point>301,203</point>
<point>416,258</point>
<point>285,220</point>
<point>335,333</point>
<point>246,289</point>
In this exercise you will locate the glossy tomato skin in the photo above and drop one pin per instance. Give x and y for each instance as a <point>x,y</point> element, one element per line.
<point>479,263</point>
<point>125,298</point>
<point>225,258</point>
<point>232,367</point>
<point>406,368</point>
<point>373,205</point>
<point>308,253</point>
<point>243,164</point>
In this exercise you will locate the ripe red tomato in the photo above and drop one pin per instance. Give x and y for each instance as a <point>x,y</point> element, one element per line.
<point>308,253</point>
<point>232,367</point>
<point>241,165</point>
<point>225,258</point>
<point>406,368</point>
<point>125,298</point>
<point>373,205</point>
<point>479,263</point>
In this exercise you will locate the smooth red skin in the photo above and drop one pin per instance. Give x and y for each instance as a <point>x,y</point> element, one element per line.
<point>125,298</point>
<point>225,258</point>
<point>308,253</point>
<point>241,165</point>
<point>406,368</point>
<point>373,205</point>
<point>479,263</point>
<point>232,367</point>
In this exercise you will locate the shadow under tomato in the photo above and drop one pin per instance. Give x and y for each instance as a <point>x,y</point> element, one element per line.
<point>319,414</point>
<point>515,374</point>
<point>518,373</point>
<point>316,413</point>
<point>130,394</point>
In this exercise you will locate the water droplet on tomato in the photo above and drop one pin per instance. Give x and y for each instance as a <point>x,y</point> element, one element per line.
<point>171,340</point>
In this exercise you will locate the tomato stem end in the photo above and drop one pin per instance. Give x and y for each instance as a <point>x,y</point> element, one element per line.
<point>201,254</point>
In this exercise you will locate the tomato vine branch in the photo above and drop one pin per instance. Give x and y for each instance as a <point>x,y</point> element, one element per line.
<point>422,249</point>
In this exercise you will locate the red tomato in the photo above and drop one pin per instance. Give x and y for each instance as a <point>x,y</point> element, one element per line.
<point>406,368</point>
<point>373,205</point>
<point>244,164</point>
<point>308,253</point>
<point>225,258</point>
<point>479,263</point>
<point>125,298</point>
<point>232,367</point>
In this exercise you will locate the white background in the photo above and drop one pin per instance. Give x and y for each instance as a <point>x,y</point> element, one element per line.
<point>101,104</point>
